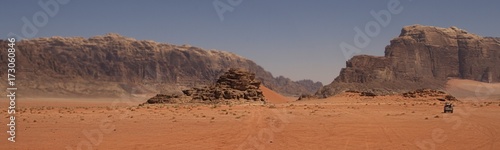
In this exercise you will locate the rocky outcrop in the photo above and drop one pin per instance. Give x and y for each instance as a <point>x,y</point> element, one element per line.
<point>429,93</point>
<point>307,97</point>
<point>113,65</point>
<point>235,84</point>
<point>421,57</point>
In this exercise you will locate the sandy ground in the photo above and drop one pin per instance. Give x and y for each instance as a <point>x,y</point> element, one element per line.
<point>345,121</point>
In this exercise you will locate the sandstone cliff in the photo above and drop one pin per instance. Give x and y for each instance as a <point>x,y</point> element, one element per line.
<point>421,57</point>
<point>113,65</point>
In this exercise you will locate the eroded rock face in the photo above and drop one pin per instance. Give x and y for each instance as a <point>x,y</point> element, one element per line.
<point>421,57</point>
<point>113,65</point>
<point>235,84</point>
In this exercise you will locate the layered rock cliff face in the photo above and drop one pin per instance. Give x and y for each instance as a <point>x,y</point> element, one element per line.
<point>421,57</point>
<point>113,65</point>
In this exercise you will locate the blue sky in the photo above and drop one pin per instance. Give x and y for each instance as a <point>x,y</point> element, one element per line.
<point>298,39</point>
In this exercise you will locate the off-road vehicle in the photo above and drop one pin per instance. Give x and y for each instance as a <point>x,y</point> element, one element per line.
<point>448,108</point>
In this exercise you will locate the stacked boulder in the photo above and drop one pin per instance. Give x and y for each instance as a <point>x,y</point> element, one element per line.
<point>235,84</point>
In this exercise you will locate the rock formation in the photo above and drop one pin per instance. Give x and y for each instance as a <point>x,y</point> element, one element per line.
<point>421,57</point>
<point>429,93</point>
<point>235,84</point>
<point>113,65</point>
<point>307,97</point>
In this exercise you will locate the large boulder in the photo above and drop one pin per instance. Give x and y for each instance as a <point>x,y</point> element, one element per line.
<point>235,84</point>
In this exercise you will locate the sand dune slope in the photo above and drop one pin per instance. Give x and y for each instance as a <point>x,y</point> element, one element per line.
<point>473,90</point>
<point>272,96</point>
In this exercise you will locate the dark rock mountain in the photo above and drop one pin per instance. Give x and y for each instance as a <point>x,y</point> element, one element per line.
<point>113,65</point>
<point>285,84</point>
<point>421,57</point>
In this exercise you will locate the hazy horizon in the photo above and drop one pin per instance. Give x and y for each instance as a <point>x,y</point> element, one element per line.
<point>296,39</point>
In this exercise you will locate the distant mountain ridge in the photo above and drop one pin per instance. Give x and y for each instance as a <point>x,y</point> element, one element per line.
<point>113,65</point>
<point>421,57</point>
